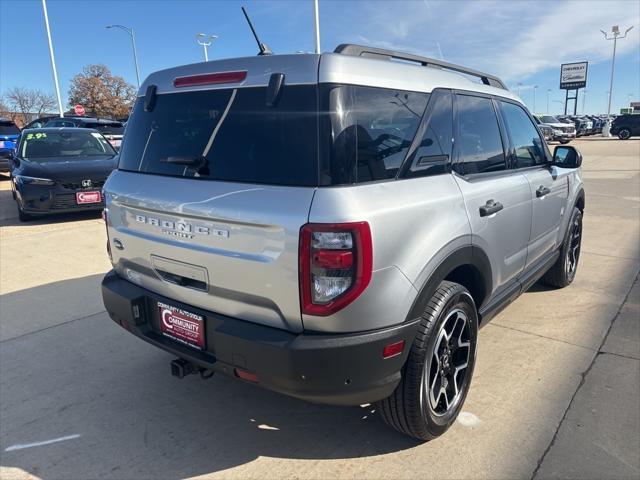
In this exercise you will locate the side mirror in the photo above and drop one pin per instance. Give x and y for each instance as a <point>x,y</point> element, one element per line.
<point>567,157</point>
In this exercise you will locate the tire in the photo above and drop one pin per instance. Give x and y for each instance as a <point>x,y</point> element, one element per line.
<point>624,134</point>
<point>23,216</point>
<point>564,142</point>
<point>562,273</point>
<point>410,408</point>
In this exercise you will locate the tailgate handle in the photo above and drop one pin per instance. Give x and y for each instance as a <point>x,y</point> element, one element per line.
<point>182,281</point>
<point>180,273</point>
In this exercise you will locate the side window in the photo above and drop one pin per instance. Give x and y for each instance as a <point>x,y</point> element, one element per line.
<point>386,122</point>
<point>529,149</point>
<point>479,144</point>
<point>432,154</point>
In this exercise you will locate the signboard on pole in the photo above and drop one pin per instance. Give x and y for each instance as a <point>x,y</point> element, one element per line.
<point>573,75</point>
<point>79,110</point>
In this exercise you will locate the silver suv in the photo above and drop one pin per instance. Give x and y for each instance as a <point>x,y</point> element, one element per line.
<point>335,227</point>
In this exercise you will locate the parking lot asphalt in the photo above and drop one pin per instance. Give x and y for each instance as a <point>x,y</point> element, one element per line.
<point>555,393</point>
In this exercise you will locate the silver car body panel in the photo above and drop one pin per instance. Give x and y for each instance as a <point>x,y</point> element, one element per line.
<point>249,255</point>
<point>414,223</point>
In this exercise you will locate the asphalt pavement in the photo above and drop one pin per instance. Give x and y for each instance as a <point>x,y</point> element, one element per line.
<point>555,394</point>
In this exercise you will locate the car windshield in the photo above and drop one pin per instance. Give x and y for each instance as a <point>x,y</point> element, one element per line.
<point>9,128</point>
<point>61,145</point>
<point>549,119</point>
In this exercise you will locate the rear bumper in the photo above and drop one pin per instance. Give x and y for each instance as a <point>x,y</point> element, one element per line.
<point>346,369</point>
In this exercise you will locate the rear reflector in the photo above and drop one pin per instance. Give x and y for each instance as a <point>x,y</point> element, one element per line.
<point>393,349</point>
<point>245,375</point>
<point>209,79</point>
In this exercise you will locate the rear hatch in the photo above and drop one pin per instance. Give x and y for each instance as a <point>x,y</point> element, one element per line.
<point>213,186</point>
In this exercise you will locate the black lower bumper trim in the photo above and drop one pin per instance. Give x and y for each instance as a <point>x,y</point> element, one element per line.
<point>346,369</point>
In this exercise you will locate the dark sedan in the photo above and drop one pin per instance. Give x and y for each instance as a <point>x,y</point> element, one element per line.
<point>59,170</point>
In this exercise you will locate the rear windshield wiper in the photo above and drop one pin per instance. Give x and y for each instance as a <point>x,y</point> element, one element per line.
<point>196,161</point>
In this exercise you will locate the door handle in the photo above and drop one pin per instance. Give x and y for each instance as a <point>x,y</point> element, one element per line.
<point>490,208</point>
<point>542,191</point>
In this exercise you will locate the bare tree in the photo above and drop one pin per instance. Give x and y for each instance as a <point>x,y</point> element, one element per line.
<point>101,93</point>
<point>27,101</point>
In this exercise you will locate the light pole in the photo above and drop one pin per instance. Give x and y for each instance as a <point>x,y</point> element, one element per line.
<point>548,94</point>
<point>316,24</point>
<point>519,85</point>
<point>615,30</point>
<point>53,60</point>
<point>133,44</point>
<point>584,99</point>
<point>205,40</point>
<point>535,87</point>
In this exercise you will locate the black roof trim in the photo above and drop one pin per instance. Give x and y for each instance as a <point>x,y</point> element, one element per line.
<point>362,51</point>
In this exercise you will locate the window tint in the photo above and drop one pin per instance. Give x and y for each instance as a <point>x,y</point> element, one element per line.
<point>479,144</point>
<point>432,154</point>
<point>227,135</point>
<point>369,132</point>
<point>525,139</point>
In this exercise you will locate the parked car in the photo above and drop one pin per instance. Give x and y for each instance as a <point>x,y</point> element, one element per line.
<point>58,170</point>
<point>581,126</point>
<point>547,131</point>
<point>562,132</point>
<point>39,122</point>
<point>111,129</point>
<point>338,229</point>
<point>626,126</point>
<point>9,134</point>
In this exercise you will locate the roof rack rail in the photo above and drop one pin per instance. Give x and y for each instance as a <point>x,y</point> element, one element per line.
<point>362,51</point>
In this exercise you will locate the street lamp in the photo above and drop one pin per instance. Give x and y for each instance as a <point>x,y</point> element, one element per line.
<point>535,87</point>
<point>584,99</point>
<point>205,40</point>
<point>133,43</point>
<point>615,30</point>
<point>548,94</point>
<point>519,85</point>
<point>53,59</point>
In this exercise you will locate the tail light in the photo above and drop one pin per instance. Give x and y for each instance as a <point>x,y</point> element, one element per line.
<point>336,261</point>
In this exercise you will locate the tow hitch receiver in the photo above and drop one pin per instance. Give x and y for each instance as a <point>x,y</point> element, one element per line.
<point>181,368</point>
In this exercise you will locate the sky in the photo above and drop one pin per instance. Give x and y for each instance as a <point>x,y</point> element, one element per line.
<point>524,42</point>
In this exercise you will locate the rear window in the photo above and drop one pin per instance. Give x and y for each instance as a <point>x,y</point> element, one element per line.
<point>9,128</point>
<point>228,135</point>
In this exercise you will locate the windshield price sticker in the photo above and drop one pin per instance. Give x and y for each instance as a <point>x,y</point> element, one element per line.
<point>31,136</point>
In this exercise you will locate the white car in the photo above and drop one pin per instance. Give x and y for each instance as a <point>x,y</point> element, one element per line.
<point>562,132</point>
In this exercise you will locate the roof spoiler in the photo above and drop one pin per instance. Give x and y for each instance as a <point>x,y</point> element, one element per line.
<point>382,53</point>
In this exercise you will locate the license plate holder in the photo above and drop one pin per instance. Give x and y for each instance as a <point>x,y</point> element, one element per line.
<point>83,198</point>
<point>182,326</point>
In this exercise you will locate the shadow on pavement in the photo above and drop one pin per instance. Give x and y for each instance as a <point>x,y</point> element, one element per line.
<point>91,377</point>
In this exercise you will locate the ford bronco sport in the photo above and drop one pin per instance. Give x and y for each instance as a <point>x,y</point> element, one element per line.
<point>335,227</point>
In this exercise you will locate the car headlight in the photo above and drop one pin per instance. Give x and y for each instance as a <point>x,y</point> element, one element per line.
<point>34,180</point>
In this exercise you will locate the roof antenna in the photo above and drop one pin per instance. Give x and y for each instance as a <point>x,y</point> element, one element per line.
<point>264,49</point>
